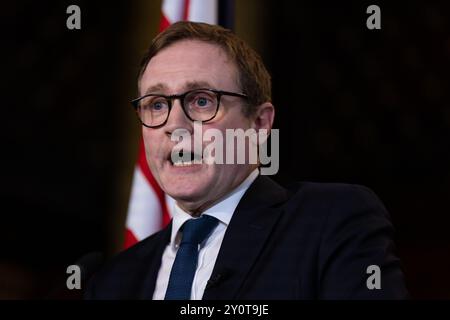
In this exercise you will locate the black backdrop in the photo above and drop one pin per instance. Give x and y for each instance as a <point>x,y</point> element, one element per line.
<point>353,105</point>
<point>372,107</point>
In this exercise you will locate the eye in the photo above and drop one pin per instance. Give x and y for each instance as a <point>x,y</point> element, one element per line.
<point>201,100</point>
<point>158,106</point>
<point>155,104</point>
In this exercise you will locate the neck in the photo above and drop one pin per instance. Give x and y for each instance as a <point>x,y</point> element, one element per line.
<point>195,209</point>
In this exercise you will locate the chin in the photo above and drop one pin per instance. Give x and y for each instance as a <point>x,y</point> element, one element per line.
<point>185,182</point>
<point>188,192</point>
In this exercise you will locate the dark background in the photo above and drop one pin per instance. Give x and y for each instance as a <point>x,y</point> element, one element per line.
<point>353,105</point>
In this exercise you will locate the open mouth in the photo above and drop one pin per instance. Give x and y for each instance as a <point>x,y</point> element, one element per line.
<point>184,158</point>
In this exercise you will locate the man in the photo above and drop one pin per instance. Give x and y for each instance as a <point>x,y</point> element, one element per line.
<point>237,234</point>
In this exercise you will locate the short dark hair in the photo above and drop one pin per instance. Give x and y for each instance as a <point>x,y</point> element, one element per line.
<point>253,77</point>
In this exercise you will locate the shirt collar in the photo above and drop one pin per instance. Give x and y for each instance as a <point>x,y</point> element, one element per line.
<point>222,210</point>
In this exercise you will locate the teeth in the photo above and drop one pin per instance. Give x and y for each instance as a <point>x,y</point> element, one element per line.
<point>181,158</point>
<point>183,164</point>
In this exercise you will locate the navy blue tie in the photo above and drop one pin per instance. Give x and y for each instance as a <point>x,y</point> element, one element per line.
<point>195,231</point>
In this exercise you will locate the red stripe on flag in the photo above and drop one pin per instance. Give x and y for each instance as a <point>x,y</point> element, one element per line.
<point>130,239</point>
<point>186,10</point>
<point>143,164</point>
<point>164,23</point>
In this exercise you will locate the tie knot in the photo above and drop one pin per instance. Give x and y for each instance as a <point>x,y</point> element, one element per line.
<point>197,230</point>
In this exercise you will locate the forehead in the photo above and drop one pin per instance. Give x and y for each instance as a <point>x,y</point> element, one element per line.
<point>185,62</point>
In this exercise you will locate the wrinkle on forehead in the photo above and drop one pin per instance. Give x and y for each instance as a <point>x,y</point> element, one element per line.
<point>207,62</point>
<point>161,88</point>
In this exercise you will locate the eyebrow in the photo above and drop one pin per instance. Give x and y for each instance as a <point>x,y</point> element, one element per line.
<point>191,85</point>
<point>156,88</point>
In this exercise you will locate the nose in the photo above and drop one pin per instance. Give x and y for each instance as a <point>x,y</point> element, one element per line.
<point>177,119</point>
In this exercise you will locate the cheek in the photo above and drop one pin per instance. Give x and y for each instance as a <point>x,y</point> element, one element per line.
<point>238,120</point>
<point>152,144</point>
<point>147,133</point>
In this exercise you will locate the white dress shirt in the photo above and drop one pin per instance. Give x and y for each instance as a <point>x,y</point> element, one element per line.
<point>209,249</point>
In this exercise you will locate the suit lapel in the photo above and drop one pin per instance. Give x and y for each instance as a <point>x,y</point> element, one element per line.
<point>248,231</point>
<point>151,261</point>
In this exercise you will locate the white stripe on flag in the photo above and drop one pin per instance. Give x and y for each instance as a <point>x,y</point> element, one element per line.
<point>203,11</point>
<point>173,10</point>
<point>146,217</point>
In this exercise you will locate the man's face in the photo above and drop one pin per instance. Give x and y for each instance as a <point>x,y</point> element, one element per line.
<point>183,66</point>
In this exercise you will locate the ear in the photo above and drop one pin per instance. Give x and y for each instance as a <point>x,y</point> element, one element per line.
<point>264,116</point>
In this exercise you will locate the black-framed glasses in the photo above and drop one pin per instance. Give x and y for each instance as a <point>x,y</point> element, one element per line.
<point>198,105</point>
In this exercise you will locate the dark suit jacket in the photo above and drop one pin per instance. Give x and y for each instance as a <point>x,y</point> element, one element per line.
<point>314,241</point>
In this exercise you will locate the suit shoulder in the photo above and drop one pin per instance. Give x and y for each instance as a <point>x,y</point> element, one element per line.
<point>329,189</point>
<point>319,191</point>
<point>332,202</point>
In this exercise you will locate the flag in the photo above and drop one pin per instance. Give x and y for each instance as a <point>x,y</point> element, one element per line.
<point>149,208</point>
